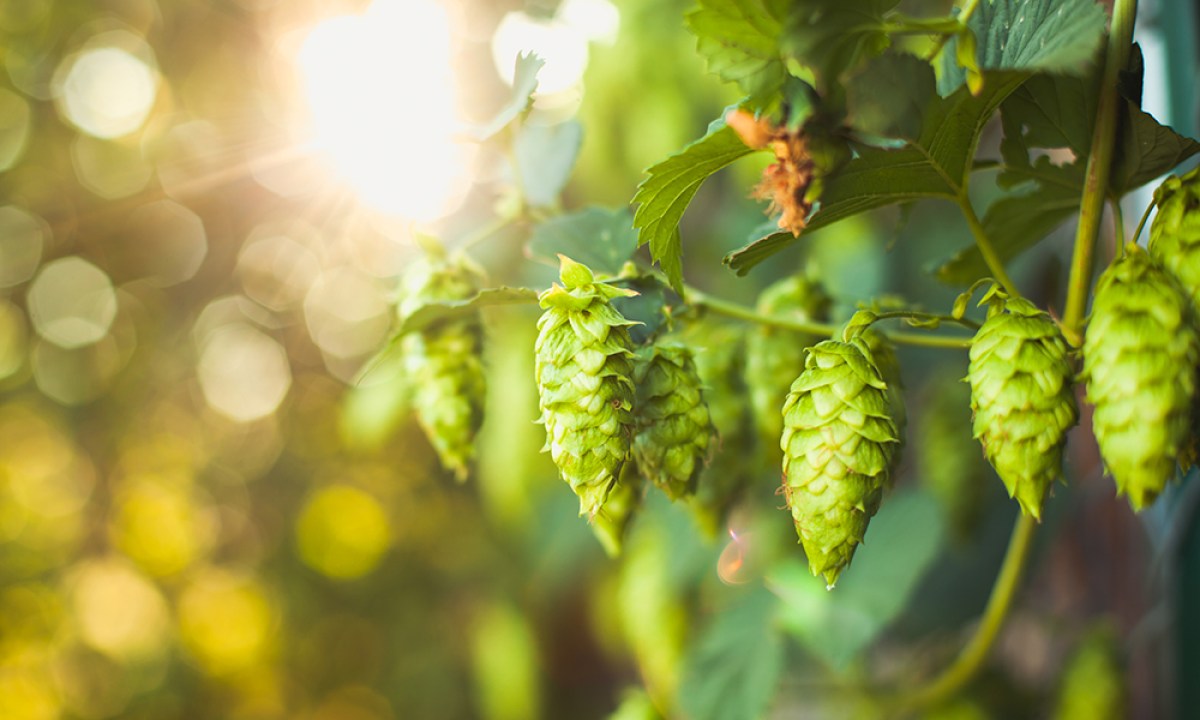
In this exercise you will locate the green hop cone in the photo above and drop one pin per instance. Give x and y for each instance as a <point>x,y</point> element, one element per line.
<point>610,524</point>
<point>838,441</point>
<point>1175,232</point>
<point>720,359</point>
<point>443,361</point>
<point>774,356</point>
<point>884,354</point>
<point>583,367</point>
<point>674,429</point>
<point>1139,361</point>
<point>1021,396</point>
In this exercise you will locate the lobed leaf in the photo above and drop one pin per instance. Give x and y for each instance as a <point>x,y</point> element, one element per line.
<point>524,84</point>
<point>739,40</point>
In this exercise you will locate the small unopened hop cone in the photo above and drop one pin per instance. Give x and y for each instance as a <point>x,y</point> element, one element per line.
<point>839,440</point>
<point>443,361</point>
<point>1139,361</point>
<point>1021,397</point>
<point>674,429</point>
<point>583,372</point>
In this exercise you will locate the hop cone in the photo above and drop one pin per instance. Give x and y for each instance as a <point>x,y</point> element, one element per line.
<point>1020,376</point>
<point>1175,232</point>
<point>1093,685</point>
<point>774,357</point>
<point>838,443</point>
<point>443,361</point>
<point>720,359</point>
<point>582,369</point>
<point>673,424</point>
<point>884,353</point>
<point>1139,360</point>
<point>610,524</point>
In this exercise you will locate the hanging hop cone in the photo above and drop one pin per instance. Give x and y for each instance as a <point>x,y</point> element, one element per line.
<point>1021,397</point>
<point>720,362</point>
<point>443,361</point>
<point>838,443</point>
<point>583,372</point>
<point>1175,232</point>
<point>774,356</point>
<point>673,425</point>
<point>1139,361</point>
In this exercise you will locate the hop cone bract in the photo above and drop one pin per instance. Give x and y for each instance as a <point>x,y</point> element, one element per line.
<point>583,372</point>
<point>1021,396</point>
<point>673,425</point>
<point>443,361</point>
<point>838,443</point>
<point>1139,360</point>
<point>774,356</point>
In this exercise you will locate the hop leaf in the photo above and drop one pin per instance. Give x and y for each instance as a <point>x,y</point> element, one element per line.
<point>585,392</point>
<point>673,424</point>
<point>839,440</point>
<point>774,357</point>
<point>1139,360</point>
<point>1020,376</point>
<point>443,360</point>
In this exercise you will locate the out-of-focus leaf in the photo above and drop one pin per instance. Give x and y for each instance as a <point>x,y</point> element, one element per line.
<point>733,669</point>
<point>837,625</point>
<point>429,314</point>
<point>665,194</point>
<point>635,705</point>
<point>832,36</point>
<point>1145,150</point>
<point>890,96</point>
<point>545,156</point>
<point>600,238</point>
<point>523,86</point>
<point>933,166</point>
<point>646,307</point>
<point>740,41</point>
<point>505,664</point>
<point>1054,36</point>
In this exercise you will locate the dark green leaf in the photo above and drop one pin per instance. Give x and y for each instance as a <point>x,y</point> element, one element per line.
<point>1048,111</point>
<point>933,166</point>
<point>524,84</point>
<point>432,313</point>
<point>646,307</point>
<point>1054,36</point>
<point>900,546</point>
<point>600,238</point>
<point>1145,150</point>
<point>664,195</point>
<point>832,36</point>
<point>740,41</point>
<point>732,670</point>
<point>890,96</point>
<point>545,156</point>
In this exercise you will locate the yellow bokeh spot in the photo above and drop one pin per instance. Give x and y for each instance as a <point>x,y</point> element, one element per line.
<point>161,526</point>
<point>27,693</point>
<point>225,621</point>
<point>342,532</point>
<point>118,610</point>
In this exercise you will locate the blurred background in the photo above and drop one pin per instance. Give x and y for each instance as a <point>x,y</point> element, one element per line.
<point>204,207</point>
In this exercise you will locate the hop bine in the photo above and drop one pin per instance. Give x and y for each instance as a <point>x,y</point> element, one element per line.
<point>1139,361</point>
<point>443,361</point>
<point>583,372</point>
<point>839,441</point>
<point>1021,397</point>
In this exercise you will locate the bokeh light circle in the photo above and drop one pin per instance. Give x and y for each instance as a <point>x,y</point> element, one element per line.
<point>106,92</point>
<point>72,303</point>
<point>342,532</point>
<point>243,372</point>
<point>22,236</point>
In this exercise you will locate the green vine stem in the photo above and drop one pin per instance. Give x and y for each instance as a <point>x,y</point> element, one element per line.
<point>964,15</point>
<point>986,249</point>
<point>969,661</point>
<point>741,312</point>
<point>1120,37</point>
<point>1142,223</point>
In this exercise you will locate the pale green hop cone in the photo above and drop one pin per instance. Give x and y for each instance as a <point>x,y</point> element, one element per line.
<point>1175,232</point>
<point>1139,361</point>
<point>674,429</point>
<point>583,372</point>
<point>443,361</point>
<point>838,443</point>
<point>1022,400</point>
<point>774,356</point>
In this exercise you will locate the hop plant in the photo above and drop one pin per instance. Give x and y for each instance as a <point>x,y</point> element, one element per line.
<point>583,372</point>
<point>774,356</point>
<point>673,425</point>
<point>1139,361</point>
<point>1175,232</point>
<point>443,361</point>
<point>1021,396</point>
<point>838,442</point>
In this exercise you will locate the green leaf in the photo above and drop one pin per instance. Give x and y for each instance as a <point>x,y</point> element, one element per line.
<point>1014,224</point>
<point>600,238</point>
<point>645,308</point>
<point>935,165</point>
<point>545,156</point>
<point>733,669</point>
<point>890,96</point>
<point>1054,36</point>
<point>523,86</point>
<point>900,547</point>
<point>739,39</point>
<point>832,36</point>
<point>665,194</point>
<point>436,312</point>
<point>1145,150</point>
